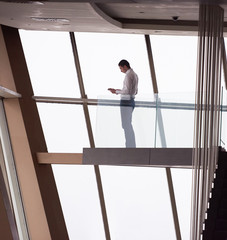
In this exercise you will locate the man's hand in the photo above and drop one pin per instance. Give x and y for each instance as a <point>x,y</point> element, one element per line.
<point>112,90</point>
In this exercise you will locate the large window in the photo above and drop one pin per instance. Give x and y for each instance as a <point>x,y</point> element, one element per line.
<point>137,198</point>
<point>99,56</point>
<point>175,65</point>
<point>50,63</point>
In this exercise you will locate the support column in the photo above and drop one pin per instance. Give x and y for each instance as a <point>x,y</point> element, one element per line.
<point>163,140</point>
<point>206,136</point>
<point>39,193</point>
<point>90,136</point>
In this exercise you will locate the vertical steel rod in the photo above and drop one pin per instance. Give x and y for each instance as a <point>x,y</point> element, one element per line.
<point>169,178</point>
<point>207,111</point>
<point>163,140</point>
<point>90,135</point>
<point>151,64</point>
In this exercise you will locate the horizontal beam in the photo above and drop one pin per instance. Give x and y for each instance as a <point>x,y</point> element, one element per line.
<point>169,27</point>
<point>156,157</point>
<point>7,93</point>
<point>59,158</point>
<point>116,103</point>
<point>64,100</point>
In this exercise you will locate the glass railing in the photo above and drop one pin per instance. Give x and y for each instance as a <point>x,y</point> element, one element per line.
<point>164,120</point>
<point>223,119</point>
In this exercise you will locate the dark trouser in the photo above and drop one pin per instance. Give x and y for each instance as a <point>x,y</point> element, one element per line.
<point>127,107</point>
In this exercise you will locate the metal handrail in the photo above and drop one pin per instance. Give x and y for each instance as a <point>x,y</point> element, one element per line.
<point>112,102</point>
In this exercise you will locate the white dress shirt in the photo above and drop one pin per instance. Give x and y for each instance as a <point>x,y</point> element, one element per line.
<point>130,84</point>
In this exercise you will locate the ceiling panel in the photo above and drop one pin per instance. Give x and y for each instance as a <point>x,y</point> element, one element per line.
<point>155,17</point>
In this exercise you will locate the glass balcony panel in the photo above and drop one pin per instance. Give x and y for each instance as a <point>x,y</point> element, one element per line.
<point>109,131</point>
<point>80,202</point>
<point>93,117</point>
<point>178,126</point>
<point>50,63</point>
<point>64,127</point>
<point>223,91</point>
<point>223,119</point>
<point>156,123</point>
<point>175,120</point>
<point>223,132</point>
<point>138,203</point>
<point>100,54</point>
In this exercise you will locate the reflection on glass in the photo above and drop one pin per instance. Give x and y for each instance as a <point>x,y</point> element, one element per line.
<point>109,130</point>
<point>64,127</point>
<point>138,203</point>
<point>156,122</point>
<point>80,203</point>
<point>223,91</point>
<point>178,128</point>
<point>99,57</point>
<point>126,109</point>
<point>50,63</point>
<point>223,135</point>
<point>93,117</point>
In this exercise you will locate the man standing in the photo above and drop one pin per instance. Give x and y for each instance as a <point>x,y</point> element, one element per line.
<point>128,92</point>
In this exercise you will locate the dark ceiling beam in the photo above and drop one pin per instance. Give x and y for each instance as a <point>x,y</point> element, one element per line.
<point>161,26</point>
<point>126,1</point>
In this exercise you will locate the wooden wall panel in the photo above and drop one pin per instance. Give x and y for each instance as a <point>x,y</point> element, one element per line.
<point>39,192</point>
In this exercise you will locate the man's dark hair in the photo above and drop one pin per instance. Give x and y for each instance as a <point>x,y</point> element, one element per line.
<point>123,63</point>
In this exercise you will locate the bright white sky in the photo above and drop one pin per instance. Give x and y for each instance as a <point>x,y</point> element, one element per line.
<point>137,199</point>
